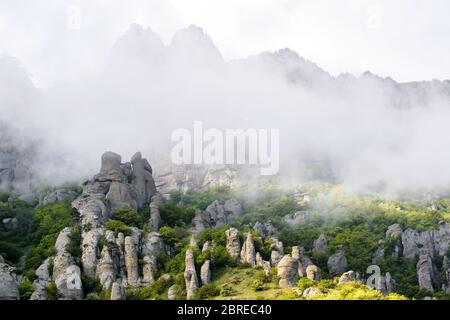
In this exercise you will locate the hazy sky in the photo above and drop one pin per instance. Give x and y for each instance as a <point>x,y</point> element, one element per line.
<point>404,39</point>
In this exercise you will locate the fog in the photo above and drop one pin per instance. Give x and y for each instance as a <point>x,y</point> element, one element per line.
<point>367,131</point>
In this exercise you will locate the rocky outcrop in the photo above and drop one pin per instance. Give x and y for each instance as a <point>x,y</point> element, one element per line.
<point>394,231</point>
<point>217,215</point>
<point>233,244</point>
<point>265,265</point>
<point>142,180</point>
<point>320,245</point>
<point>42,281</point>
<point>313,273</point>
<point>205,272</point>
<point>265,230</point>
<point>117,291</point>
<point>287,271</point>
<point>153,245</point>
<point>385,284</point>
<point>277,251</point>
<point>248,251</point>
<point>90,250</point>
<point>337,264</point>
<point>131,261</point>
<point>106,269</point>
<point>155,216</point>
<point>66,274</point>
<point>433,242</point>
<point>296,218</point>
<point>190,274</point>
<point>347,277</point>
<point>8,282</point>
<point>311,292</point>
<point>58,195</point>
<point>425,272</point>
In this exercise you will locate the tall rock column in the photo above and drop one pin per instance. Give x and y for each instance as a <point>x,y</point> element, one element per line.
<point>190,274</point>
<point>131,261</point>
<point>248,251</point>
<point>233,244</point>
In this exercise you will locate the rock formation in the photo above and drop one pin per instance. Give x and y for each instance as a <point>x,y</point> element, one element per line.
<point>266,229</point>
<point>313,273</point>
<point>190,274</point>
<point>205,272</point>
<point>42,281</point>
<point>277,252</point>
<point>287,270</point>
<point>217,215</point>
<point>320,245</point>
<point>155,216</point>
<point>248,251</point>
<point>8,282</point>
<point>233,244</point>
<point>425,272</point>
<point>337,264</point>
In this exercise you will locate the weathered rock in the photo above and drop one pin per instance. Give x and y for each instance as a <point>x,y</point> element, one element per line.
<point>142,180</point>
<point>90,251</point>
<point>287,270</point>
<point>216,215</point>
<point>153,245</point>
<point>120,195</point>
<point>66,273</point>
<point>131,261</point>
<point>155,216</point>
<point>172,292</point>
<point>296,218</point>
<point>337,264</point>
<point>8,283</point>
<point>266,229</point>
<point>41,282</point>
<point>207,246</point>
<point>313,273</point>
<point>106,271</point>
<point>233,243</point>
<point>394,231</point>
<point>58,195</point>
<point>425,272</point>
<point>205,272</point>
<point>311,292</point>
<point>110,161</point>
<point>417,243</point>
<point>265,265</point>
<point>347,276</point>
<point>441,238</point>
<point>385,284</point>
<point>248,251</point>
<point>320,245</point>
<point>277,252</point>
<point>190,274</point>
<point>117,291</point>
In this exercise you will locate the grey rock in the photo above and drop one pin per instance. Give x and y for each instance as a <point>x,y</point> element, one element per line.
<point>155,215</point>
<point>248,251</point>
<point>205,272</point>
<point>58,195</point>
<point>120,195</point>
<point>153,245</point>
<point>277,252</point>
<point>265,265</point>
<point>217,215</point>
<point>110,161</point>
<point>425,272</point>
<point>190,274</point>
<point>266,229</point>
<point>311,292</point>
<point>142,180</point>
<point>131,261</point>
<point>313,272</point>
<point>394,231</point>
<point>347,277</point>
<point>296,218</point>
<point>233,244</point>
<point>320,245</point>
<point>287,271</point>
<point>90,252</point>
<point>337,264</point>
<point>8,283</point>
<point>117,291</point>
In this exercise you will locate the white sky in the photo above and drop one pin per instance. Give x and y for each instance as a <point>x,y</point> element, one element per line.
<point>403,39</point>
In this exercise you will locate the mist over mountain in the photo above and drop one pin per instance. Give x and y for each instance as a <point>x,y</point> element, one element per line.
<point>364,131</point>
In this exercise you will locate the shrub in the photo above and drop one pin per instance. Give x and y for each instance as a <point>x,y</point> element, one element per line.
<point>305,283</point>
<point>128,216</point>
<point>207,292</point>
<point>52,291</point>
<point>117,227</point>
<point>26,289</point>
<point>176,215</point>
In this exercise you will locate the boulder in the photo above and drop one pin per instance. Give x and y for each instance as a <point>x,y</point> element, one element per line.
<point>248,251</point>
<point>287,271</point>
<point>347,277</point>
<point>190,274</point>
<point>265,265</point>
<point>337,264</point>
<point>110,161</point>
<point>311,292</point>
<point>120,195</point>
<point>277,252</point>
<point>313,273</point>
<point>233,243</point>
